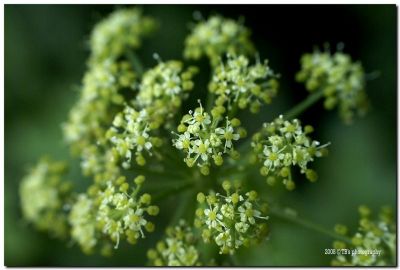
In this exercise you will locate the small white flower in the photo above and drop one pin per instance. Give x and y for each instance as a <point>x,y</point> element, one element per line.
<point>213,216</point>
<point>273,157</point>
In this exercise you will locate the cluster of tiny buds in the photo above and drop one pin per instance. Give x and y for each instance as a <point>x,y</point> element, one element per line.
<point>341,80</point>
<point>374,243</point>
<point>283,144</point>
<point>114,210</point>
<point>231,220</point>
<point>177,249</point>
<point>204,138</point>
<point>238,84</point>
<point>216,37</point>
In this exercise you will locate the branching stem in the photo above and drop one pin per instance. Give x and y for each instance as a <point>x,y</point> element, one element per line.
<point>290,217</point>
<point>304,105</point>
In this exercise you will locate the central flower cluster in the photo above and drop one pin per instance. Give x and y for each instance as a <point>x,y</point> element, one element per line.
<point>231,220</point>
<point>133,136</point>
<point>204,138</point>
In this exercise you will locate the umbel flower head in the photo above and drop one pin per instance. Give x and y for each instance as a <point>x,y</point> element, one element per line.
<point>177,249</point>
<point>130,136</point>
<point>163,88</point>
<point>283,144</point>
<point>118,33</point>
<point>44,197</point>
<point>204,138</point>
<point>216,37</point>
<point>341,80</point>
<point>231,220</point>
<point>374,234</point>
<point>240,84</point>
<point>112,211</point>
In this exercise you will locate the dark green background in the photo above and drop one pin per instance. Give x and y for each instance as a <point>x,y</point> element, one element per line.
<point>45,54</point>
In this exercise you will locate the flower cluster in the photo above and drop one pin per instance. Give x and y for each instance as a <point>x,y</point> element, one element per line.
<point>163,88</point>
<point>216,37</point>
<point>341,80</point>
<point>100,99</point>
<point>373,235</point>
<point>83,223</point>
<point>177,249</point>
<point>112,211</point>
<point>282,144</point>
<point>120,32</point>
<point>240,84</point>
<point>134,137</point>
<point>232,220</point>
<point>109,80</point>
<point>44,197</point>
<point>161,92</point>
<point>204,138</point>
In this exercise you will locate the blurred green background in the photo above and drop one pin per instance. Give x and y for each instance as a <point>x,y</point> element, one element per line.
<point>45,54</point>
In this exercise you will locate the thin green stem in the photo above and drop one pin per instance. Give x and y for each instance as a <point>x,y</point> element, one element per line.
<point>136,63</point>
<point>175,190</point>
<point>372,75</point>
<point>290,217</point>
<point>304,105</point>
<point>233,111</point>
<point>233,260</point>
<point>210,96</point>
<point>210,101</point>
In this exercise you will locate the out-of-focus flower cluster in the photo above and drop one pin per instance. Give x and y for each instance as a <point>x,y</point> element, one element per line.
<point>100,98</point>
<point>177,249</point>
<point>374,234</point>
<point>217,36</point>
<point>204,138</point>
<point>110,79</point>
<point>283,144</point>
<point>237,83</point>
<point>341,80</point>
<point>112,211</point>
<point>231,220</point>
<point>123,30</point>
<point>44,194</point>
